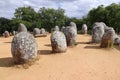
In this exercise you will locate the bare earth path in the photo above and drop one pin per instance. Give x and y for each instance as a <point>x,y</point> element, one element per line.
<point>83,62</point>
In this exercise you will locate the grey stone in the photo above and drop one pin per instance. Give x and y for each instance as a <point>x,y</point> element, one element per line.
<point>58,42</point>
<point>42,31</point>
<point>23,48</point>
<point>14,33</point>
<point>71,34</point>
<point>98,31</point>
<point>22,28</point>
<point>108,38</point>
<point>36,31</point>
<point>84,29</point>
<point>6,34</point>
<point>62,29</point>
<point>117,40</point>
<point>56,28</point>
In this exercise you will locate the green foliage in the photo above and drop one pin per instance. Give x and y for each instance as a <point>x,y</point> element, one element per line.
<point>5,24</point>
<point>109,15</point>
<point>51,17</point>
<point>48,18</point>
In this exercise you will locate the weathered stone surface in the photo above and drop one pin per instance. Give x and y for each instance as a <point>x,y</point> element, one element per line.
<point>56,28</point>
<point>71,34</point>
<point>22,28</point>
<point>84,29</point>
<point>98,31</point>
<point>108,38</point>
<point>14,33</point>
<point>6,34</point>
<point>117,40</point>
<point>58,42</point>
<point>36,31</point>
<point>23,48</point>
<point>73,24</point>
<point>62,29</point>
<point>42,31</point>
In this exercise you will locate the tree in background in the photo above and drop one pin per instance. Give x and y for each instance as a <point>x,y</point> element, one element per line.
<point>48,17</point>
<point>109,15</point>
<point>5,24</point>
<point>51,17</point>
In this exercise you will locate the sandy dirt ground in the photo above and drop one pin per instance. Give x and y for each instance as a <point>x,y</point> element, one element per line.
<point>83,62</point>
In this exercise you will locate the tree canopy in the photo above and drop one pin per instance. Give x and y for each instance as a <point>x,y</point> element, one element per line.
<point>48,18</point>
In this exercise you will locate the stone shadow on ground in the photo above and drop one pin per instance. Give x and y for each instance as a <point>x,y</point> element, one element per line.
<point>7,42</point>
<point>92,47</point>
<point>6,62</point>
<point>48,45</point>
<point>45,52</point>
<point>83,42</point>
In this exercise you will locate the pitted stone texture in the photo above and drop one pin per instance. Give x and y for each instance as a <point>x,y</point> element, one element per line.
<point>98,31</point>
<point>24,48</point>
<point>58,42</point>
<point>36,31</point>
<point>84,29</point>
<point>56,28</point>
<point>22,28</point>
<point>6,34</point>
<point>108,38</point>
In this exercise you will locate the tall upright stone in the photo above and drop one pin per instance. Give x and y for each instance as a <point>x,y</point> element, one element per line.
<point>42,31</point>
<point>71,34</point>
<point>36,31</point>
<point>14,33</point>
<point>62,29</point>
<point>23,48</point>
<point>84,29</point>
<point>22,28</point>
<point>108,38</point>
<point>98,31</point>
<point>58,42</point>
<point>56,28</point>
<point>6,34</point>
<point>117,40</point>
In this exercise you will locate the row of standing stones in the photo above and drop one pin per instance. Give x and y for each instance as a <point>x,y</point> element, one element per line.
<point>39,32</point>
<point>61,39</point>
<point>105,35</point>
<point>24,46</point>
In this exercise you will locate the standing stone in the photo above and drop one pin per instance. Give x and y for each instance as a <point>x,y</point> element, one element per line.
<point>62,29</point>
<point>97,32</point>
<point>117,40</point>
<point>24,48</point>
<point>73,25</point>
<point>10,33</point>
<point>14,33</point>
<point>6,34</point>
<point>43,31</point>
<point>22,28</point>
<point>56,28</point>
<point>36,31</point>
<point>84,29</point>
<point>58,42</point>
<point>108,38</point>
<point>71,34</point>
